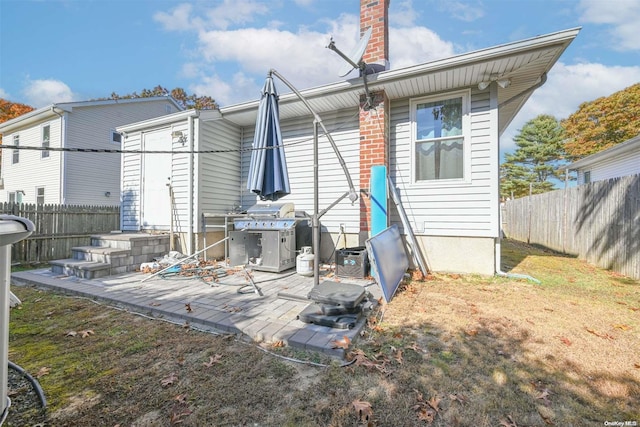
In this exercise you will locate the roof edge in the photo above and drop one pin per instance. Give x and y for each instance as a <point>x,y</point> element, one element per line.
<point>623,147</point>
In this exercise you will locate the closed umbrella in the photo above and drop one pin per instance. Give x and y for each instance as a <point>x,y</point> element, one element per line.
<point>268,176</point>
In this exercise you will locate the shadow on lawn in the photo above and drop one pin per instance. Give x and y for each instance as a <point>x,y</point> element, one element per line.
<point>483,376</point>
<point>514,252</point>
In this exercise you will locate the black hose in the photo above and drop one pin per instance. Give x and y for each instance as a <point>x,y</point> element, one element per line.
<point>5,413</point>
<point>33,381</point>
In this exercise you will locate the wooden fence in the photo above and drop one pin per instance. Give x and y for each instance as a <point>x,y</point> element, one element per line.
<point>598,222</point>
<point>58,228</point>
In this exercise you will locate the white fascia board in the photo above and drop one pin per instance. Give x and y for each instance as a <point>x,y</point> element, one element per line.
<point>378,81</point>
<point>158,121</point>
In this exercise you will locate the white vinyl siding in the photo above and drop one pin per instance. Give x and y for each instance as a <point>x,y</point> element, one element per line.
<point>32,170</point>
<point>219,186</point>
<point>624,165</point>
<point>468,208</point>
<point>88,176</point>
<point>298,140</point>
<point>131,183</point>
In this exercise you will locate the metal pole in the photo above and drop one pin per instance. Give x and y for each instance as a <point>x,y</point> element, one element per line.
<point>5,261</point>
<point>316,207</point>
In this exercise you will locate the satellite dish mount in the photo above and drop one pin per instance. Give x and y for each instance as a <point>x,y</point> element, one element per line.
<point>354,61</point>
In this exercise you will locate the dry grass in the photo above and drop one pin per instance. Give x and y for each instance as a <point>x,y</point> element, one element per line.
<point>452,350</point>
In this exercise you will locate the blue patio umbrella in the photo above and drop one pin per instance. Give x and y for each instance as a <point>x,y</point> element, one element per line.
<point>268,176</point>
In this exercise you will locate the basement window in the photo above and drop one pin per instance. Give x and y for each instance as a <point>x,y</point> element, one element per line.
<point>440,127</point>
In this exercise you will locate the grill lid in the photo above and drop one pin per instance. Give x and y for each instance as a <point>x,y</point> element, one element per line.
<point>272,210</point>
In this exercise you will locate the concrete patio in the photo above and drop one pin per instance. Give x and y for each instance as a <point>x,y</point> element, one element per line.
<point>229,306</point>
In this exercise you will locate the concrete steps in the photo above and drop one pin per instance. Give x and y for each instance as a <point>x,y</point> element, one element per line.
<point>110,254</point>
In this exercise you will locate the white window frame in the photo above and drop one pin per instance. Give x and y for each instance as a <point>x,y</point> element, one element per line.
<point>15,155</point>
<point>45,154</point>
<point>39,196</point>
<point>466,138</point>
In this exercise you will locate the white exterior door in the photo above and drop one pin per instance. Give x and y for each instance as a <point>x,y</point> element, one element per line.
<point>156,173</point>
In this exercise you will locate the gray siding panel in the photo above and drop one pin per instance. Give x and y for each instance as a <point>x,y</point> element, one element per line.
<point>219,188</point>
<point>131,181</point>
<point>298,140</point>
<point>452,209</point>
<point>89,175</point>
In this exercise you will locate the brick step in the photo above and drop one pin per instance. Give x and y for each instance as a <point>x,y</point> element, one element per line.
<point>80,268</point>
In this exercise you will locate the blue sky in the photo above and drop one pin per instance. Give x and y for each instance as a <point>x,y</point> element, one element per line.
<point>66,50</point>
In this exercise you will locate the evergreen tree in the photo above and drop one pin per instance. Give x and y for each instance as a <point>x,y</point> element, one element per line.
<point>536,161</point>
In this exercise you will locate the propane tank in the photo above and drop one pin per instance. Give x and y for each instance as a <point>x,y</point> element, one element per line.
<point>304,262</point>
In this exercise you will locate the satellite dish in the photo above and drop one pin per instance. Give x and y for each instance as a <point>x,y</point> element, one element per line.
<point>356,54</point>
<point>354,59</point>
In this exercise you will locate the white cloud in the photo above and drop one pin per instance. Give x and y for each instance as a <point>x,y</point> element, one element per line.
<point>179,19</point>
<point>416,45</point>
<point>4,94</point>
<point>622,15</point>
<point>230,12</point>
<point>301,57</point>
<point>39,93</point>
<point>466,10</point>
<point>567,87</point>
<point>403,15</point>
<point>224,92</point>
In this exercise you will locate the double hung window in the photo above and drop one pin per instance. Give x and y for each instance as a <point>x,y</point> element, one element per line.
<point>440,141</point>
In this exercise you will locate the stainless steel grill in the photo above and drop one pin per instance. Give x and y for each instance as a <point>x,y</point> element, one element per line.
<point>266,238</point>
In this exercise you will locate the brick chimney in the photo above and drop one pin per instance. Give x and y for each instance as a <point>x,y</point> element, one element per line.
<point>374,118</point>
<point>375,14</point>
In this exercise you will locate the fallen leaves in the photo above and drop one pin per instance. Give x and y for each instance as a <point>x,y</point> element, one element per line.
<point>43,371</point>
<point>83,334</point>
<point>364,411</point>
<point>598,334</point>
<point>187,307</point>
<point>169,380</point>
<point>344,342</point>
<point>566,341</point>
<point>361,359</point>
<point>622,326</point>
<point>460,398</point>
<point>213,360</point>
<point>426,410</point>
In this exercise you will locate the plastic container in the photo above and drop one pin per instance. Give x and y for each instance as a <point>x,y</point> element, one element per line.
<point>304,262</point>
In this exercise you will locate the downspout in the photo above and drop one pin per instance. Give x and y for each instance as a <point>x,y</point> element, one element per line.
<point>63,155</point>
<point>191,236</point>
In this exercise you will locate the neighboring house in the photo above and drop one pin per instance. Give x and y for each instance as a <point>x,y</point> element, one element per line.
<point>67,177</point>
<point>620,160</point>
<point>436,126</point>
